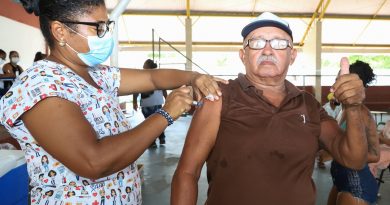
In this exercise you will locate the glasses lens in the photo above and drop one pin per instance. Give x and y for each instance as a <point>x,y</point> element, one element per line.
<point>105,27</point>
<point>102,29</point>
<point>257,43</point>
<point>279,44</point>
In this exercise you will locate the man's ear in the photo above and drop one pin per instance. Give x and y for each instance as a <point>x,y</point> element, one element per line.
<point>293,55</point>
<point>242,55</point>
<point>58,31</point>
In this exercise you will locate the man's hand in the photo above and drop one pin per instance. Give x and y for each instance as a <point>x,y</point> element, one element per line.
<point>348,88</point>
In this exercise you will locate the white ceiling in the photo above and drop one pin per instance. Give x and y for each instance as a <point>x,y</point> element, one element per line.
<point>350,7</point>
<point>346,22</point>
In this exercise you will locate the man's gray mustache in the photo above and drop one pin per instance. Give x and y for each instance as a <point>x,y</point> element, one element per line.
<point>266,58</point>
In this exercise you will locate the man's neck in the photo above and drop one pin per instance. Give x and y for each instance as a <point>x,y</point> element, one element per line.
<point>273,89</point>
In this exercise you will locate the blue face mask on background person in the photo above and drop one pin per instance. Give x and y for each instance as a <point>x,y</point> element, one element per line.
<point>1,61</point>
<point>99,49</point>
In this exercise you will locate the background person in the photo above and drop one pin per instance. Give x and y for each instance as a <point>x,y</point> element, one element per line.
<point>39,56</point>
<point>12,69</point>
<point>151,101</point>
<point>79,138</point>
<point>3,55</point>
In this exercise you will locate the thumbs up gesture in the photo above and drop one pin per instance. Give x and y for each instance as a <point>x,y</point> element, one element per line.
<point>348,88</point>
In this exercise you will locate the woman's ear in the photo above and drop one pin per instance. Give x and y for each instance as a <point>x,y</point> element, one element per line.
<point>59,32</point>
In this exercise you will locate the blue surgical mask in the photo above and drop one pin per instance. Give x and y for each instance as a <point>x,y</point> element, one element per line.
<point>1,61</point>
<point>100,49</point>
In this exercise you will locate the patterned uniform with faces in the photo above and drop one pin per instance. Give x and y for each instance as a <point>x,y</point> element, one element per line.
<point>53,183</point>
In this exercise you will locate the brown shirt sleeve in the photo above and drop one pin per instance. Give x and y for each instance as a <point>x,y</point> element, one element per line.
<point>324,115</point>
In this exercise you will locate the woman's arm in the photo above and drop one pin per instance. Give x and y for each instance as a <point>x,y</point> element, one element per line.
<point>139,81</point>
<point>63,131</point>
<point>199,143</point>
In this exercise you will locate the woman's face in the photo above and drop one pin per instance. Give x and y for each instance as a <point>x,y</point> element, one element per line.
<point>78,41</point>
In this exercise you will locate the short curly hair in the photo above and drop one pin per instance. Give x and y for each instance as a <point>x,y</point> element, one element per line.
<point>59,10</point>
<point>150,64</point>
<point>364,71</point>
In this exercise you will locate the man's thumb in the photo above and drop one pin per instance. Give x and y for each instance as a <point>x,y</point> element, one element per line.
<point>344,66</point>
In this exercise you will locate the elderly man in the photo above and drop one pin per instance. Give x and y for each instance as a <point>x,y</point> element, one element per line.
<point>261,139</point>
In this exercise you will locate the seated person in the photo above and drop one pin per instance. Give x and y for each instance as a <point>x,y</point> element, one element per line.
<point>261,139</point>
<point>3,55</point>
<point>12,69</point>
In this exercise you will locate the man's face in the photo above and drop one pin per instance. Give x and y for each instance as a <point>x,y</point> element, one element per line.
<point>277,61</point>
<point>2,56</point>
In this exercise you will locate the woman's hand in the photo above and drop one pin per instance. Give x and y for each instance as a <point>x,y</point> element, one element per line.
<point>206,85</point>
<point>178,102</point>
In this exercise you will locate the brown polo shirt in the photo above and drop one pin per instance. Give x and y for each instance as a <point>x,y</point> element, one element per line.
<point>264,154</point>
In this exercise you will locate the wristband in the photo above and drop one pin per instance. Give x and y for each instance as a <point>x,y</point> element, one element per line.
<point>165,115</point>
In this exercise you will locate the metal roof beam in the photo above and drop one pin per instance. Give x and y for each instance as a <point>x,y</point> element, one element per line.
<point>313,17</point>
<point>248,14</point>
<point>239,44</point>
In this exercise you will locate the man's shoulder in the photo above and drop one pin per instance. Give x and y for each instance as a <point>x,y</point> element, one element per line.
<point>7,66</point>
<point>232,83</point>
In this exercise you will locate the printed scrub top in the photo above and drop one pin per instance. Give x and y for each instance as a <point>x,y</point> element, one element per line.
<point>51,181</point>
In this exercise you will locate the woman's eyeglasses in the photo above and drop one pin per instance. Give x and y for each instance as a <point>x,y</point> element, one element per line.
<point>101,27</point>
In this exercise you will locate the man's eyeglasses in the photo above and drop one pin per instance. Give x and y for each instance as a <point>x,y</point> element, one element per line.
<point>101,27</point>
<point>259,43</point>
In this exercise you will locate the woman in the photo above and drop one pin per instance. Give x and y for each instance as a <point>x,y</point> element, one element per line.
<point>56,114</point>
<point>151,101</point>
<point>352,187</point>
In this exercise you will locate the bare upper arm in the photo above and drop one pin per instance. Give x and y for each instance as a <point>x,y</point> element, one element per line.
<point>7,69</point>
<point>201,137</point>
<point>61,129</point>
<point>135,81</point>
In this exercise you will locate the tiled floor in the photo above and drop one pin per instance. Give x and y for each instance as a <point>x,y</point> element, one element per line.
<point>160,164</point>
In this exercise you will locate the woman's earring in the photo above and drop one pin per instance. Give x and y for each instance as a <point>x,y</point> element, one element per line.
<point>62,43</point>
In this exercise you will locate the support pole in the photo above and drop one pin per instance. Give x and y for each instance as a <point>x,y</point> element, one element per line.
<point>114,16</point>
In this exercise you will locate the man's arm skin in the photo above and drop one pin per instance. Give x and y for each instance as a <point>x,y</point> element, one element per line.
<point>372,137</point>
<point>200,141</point>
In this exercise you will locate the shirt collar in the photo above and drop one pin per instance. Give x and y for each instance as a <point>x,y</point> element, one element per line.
<point>292,90</point>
